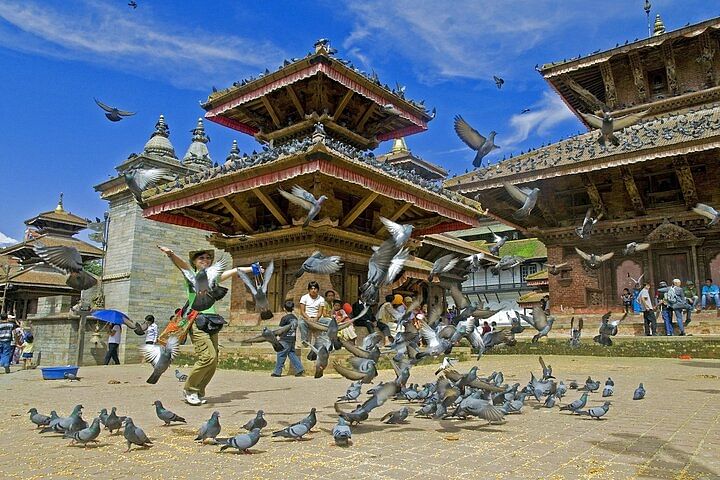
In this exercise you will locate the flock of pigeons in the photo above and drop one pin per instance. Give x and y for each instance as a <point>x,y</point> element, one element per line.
<point>453,395</point>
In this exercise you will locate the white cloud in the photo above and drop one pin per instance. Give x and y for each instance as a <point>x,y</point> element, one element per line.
<point>5,240</point>
<point>117,37</point>
<point>542,117</point>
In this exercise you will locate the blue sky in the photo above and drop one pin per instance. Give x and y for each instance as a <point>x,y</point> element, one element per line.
<point>164,57</point>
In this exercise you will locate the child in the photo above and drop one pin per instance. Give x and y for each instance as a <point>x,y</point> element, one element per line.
<point>627,299</point>
<point>287,340</point>
<point>27,353</point>
<point>341,317</point>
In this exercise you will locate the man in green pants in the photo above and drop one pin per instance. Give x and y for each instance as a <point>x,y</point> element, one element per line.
<point>206,344</point>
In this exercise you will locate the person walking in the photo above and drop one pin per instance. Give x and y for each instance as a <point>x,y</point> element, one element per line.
<point>710,292</point>
<point>204,335</point>
<point>648,311</point>
<point>151,335</point>
<point>287,340</point>
<point>6,341</point>
<point>114,337</point>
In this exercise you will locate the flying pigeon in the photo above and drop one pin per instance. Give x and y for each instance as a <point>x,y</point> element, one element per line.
<point>160,357</point>
<point>633,247</point>
<point>270,336</point>
<point>555,269</point>
<point>112,113</point>
<point>589,222</point>
<point>708,212</point>
<point>547,370</point>
<point>166,415</point>
<point>474,261</point>
<point>442,265</point>
<point>608,125</point>
<point>526,196</point>
<point>134,435</point>
<point>400,233</point>
<point>243,441</point>
<point>499,242</point>
<point>592,259</point>
<point>474,140</point>
<point>69,260</point>
<point>498,81</point>
<point>259,293</point>
<point>258,422</point>
<point>319,263</point>
<point>540,321</point>
<point>132,4</point>
<point>209,429</point>
<point>341,433</point>
<point>301,197</point>
<point>139,179</point>
<point>205,284</point>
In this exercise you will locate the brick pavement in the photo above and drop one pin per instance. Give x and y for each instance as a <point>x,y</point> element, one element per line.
<point>674,433</point>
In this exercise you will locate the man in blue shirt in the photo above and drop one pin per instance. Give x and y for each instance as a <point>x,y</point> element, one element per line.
<point>710,291</point>
<point>6,341</point>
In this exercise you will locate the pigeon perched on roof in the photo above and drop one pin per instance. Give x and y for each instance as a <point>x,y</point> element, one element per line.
<point>111,113</point>
<point>528,197</point>
<point>242,441</point>
<point>301,197</point>
<point>608,125</point>
<point>341,433</point>
<point>319,263</point>
<point>135,435</point>
<point>473,139</point>
<point>69,260</point>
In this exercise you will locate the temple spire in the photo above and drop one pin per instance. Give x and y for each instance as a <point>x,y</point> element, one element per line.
<point>659,26</point>
<point>198,153</point>
<point>59,208</point>
<point>159,143</point>
<point>399,146</point>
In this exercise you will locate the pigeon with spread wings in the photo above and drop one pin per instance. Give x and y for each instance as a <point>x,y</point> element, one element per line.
<point>139,179</point>
<point>259,292</point>
<point>69,260</point>
<point>528,197</point>
<point>474,140</point>
<point>160,357</point>
<point>205,284</point>
<point>302,198</point>
<point>593,260</point>
<point>113,114</point>
<point>608,125</point>
<point>708,212</point>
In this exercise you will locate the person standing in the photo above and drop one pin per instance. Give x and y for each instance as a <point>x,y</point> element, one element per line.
<point>648,311</point>
<point>151,335</point>
<point>205,339</point>
<point>287,340</point>
<point>114,336</point>
<point>28,349</point>
<point>710,291</point>
<point>6,341</point>
<point>680,304</point>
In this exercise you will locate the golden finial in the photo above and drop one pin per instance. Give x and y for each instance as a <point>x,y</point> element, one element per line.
<point>659,26</point>
<point>399,146</point>
<point>59,208</point>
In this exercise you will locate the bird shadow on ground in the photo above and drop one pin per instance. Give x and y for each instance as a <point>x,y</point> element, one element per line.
<point>447,427</point>
<point>89,445</point>
<point>240,395</point>
<point>699,364</point>
<point>709,391</point>
<point>645,446</point>
<point>240,452</point>
<point>288,440</point>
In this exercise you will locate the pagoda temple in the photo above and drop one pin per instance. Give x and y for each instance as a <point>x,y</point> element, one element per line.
<point>644,188</point>
<point>28,285</point>
<point>318,119</point>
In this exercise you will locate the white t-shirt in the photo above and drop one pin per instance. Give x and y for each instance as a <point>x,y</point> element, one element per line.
<point>312,305</point>
<point>116,333</point>
<point>152,333</point>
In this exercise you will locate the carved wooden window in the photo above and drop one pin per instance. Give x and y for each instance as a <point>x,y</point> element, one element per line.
<point>577,201</point>
<point>658,82</point>
<point>662,189</point>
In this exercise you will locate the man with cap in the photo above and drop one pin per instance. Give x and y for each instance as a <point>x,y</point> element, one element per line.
<point>206,344</point>
<point>661,298</point>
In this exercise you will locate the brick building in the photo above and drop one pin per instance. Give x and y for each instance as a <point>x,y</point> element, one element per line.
<point>645,187</point>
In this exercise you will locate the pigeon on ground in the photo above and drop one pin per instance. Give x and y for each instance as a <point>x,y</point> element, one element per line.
<point>633,247</point>
<point>180,376</point>
<point>209,429</point>
<point>526,196</point>
<point>575,333</point>
<point>341,433</point>
<point>295,431</point>
<point>592,259</point>
<point>596,412</point>
<point>134,435</point>
<point>547,370</point>
<point>301,197</point>
<point>72,423</point>
<point>708,212</point>
<point>352,393</point>
<point>205,284</point>
<point>573,385</point>
<point>577,404</point>
<point>71,377</point>
<point>442,265</point>
<point>166,415</point>
<point>608,390</point>
<point>160,356</point>
<point>550,401</point>
<point>639,393</point>
<point>259,293</point>
<point>590,385</point>
<point>258,422</point>
<point>311,420</point>
<point>395,417</point>
<point>589,222</point>
<point>319,263</point>
<point>69,260</point>
<point>39,419</point>
<point>354,417</point>
<point>111,421</point>
<point>608,125</point>
<point>561,390</point>
<point>86,435</point>
<point>474,140</point>
<point>138,179</point>
<point>243,441</point>
<point>113,114</point>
